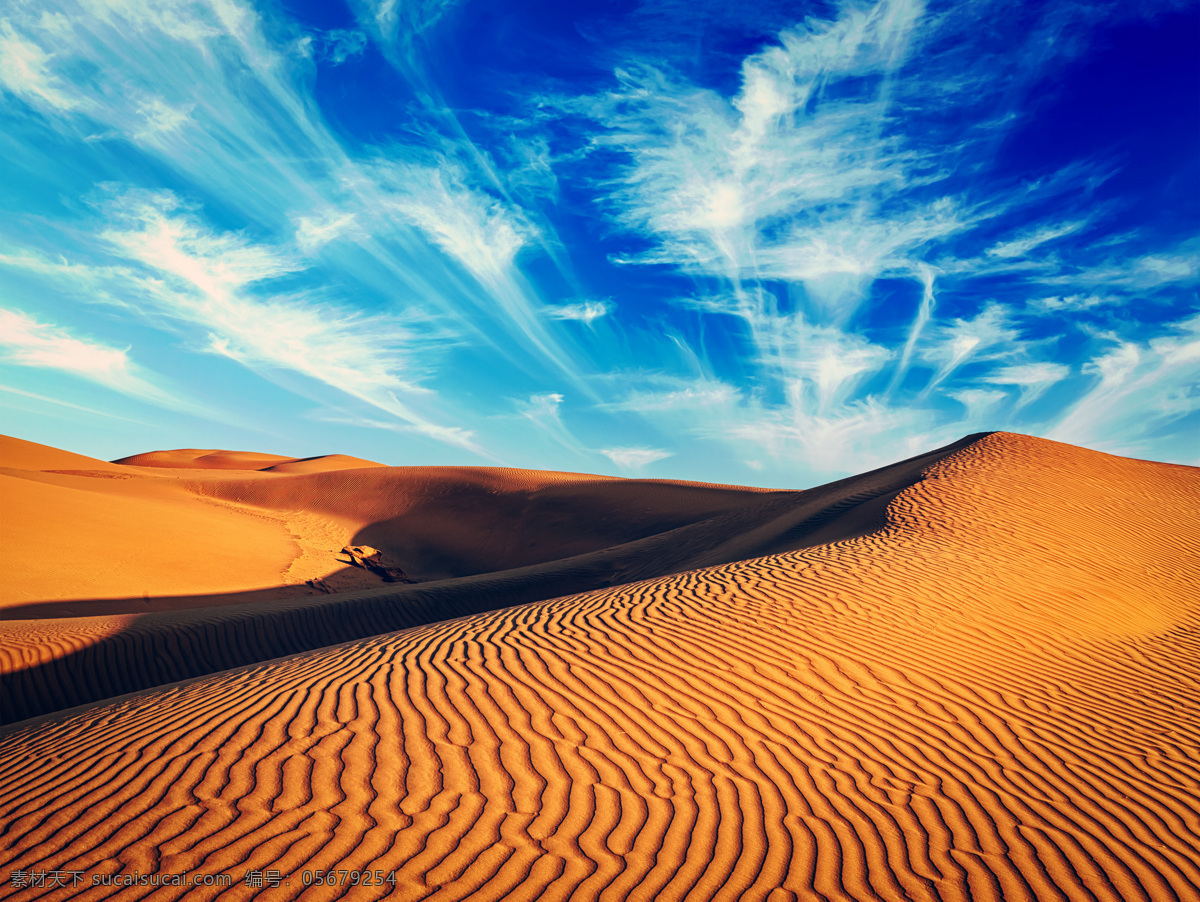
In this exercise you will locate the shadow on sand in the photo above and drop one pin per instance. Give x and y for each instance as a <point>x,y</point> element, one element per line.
<point>187,637</point>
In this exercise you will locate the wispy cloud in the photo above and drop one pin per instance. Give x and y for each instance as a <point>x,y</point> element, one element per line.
<point>203,89</point>
<point>397,21</point>
<point>1071,303</point>
<point>315,231</point>
<point>1138,388</point>
<point>340,44</point>
<point>583,311</point>
<point>214,280</point>
<point>981,405</point>
<point>25,70</point>
<point>1032,378</point>
<point>850,440</point>
<point>28,342</point>
<point>982,337</point>
<point>43,400</point>
<point>789,179</point>
<point>634,458</point>
<point>696,396</point>
<point>544,411</point>
<point>1173,266</point>
<point>1029,240</point>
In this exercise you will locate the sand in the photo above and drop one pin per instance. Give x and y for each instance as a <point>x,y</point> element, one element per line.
<point>973,675</point>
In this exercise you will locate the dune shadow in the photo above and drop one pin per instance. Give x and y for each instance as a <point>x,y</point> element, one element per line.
<point>162,647</point>
<point>190,638</point>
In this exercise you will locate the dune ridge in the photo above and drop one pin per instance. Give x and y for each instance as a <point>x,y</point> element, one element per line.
<point>48,664</point>
<point>987,691</point>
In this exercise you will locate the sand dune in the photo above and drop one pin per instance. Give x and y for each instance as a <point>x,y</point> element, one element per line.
<point>322,464</point>
<point>138,537</point>
<point>480,538</point>
<point>203,459</point>
<point>973,675</point>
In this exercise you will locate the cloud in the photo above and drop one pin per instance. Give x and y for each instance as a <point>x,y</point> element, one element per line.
<point>789,179</point>
<point>214,280</point>
<point>393,21</point>
<point>859,436</point>
<point>160,119</point>
<point>542,406</point>
<point>982,337</point>
<point>1068,303</point>
<point>1032,378</point>
<point>699,396</point>
<point>25,70</point>
<point>634,458</point>
<point>339,45</point>
<point>981,403</point>
<point>43,400</point>
<point>1145,272</point>
<point>584,311</point>
<point>479,231</point>
<point>1139,388</point>
<point>1024,243</point>
<point>28,342</point>
<point>822,365</point>
<point>543,410</point>
<point>924,313</point>
<point>314,232</point>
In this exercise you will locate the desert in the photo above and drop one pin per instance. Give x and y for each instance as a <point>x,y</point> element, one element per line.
<point>968,675</point>
<point>641,451</point>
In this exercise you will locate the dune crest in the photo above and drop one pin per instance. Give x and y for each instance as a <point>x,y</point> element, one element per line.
<point>984,688</point>
<point>203,459</point>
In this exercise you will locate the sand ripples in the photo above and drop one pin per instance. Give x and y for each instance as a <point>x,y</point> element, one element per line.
<point>927,711</point>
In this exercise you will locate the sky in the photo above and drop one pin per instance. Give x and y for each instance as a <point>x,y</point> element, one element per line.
<point>773,244</point>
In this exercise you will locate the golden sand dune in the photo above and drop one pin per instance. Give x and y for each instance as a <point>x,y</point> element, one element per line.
<point>322,464</point>
<point>480,538</point>
<point>203,459</point>
<point>987,688</point>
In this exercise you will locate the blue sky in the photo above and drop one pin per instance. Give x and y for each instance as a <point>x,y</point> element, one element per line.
<point>771,243</point>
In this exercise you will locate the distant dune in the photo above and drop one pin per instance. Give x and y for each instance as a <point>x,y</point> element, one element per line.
<point>203,459</point>
<point>970,675</point>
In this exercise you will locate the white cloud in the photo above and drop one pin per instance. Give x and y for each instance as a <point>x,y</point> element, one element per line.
<point>982,337</point>
<point>25,70</point>
<point>1032,378</point>
<point>1179,265</point>
<point>213,280</point>
<point>634,458</point>
<point>700,396</point>
<point>314,232</point>
<point>1069,303</point>
<point>543,410</point>
<point>480,232</point>
<point>541,406</point>
<point>584,311</point>
<point>1024,243</point>
<point>920,321</point>
<point>823,365</point>
<point>981,403</point>
<point>160,119</point>
<point>43,400</point>
<point>29,342</point>
<point>1139,388</point>
<point>788,179</point>
<point>859,436</point>
<point>393,21</point>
